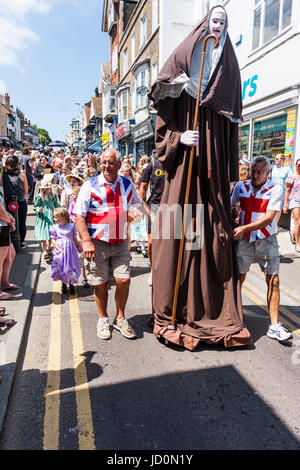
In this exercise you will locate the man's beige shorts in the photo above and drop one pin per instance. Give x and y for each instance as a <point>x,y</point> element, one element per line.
<point>109,258</point>
<point>265,252</point>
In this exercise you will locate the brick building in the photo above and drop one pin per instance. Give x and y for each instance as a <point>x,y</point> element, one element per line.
<point>136,38</point>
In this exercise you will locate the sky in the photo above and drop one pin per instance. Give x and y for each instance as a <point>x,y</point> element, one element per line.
<point>50,55</point>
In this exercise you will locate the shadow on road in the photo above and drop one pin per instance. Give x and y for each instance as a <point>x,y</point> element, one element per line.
<point>212,408</point>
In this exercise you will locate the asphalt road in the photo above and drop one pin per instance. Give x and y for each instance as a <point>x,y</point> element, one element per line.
<point>75,391</point>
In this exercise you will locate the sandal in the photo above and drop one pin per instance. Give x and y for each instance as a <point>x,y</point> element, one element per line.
<point>10,287</point>
<point>2,311</point>
<point>7,322</point>
<point>5,296</point>
<point>292,238</point>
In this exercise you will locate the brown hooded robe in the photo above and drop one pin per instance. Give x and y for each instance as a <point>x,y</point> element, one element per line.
<point>209,302</point>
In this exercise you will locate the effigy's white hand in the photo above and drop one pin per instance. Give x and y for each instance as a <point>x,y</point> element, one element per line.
<point>190,138</point>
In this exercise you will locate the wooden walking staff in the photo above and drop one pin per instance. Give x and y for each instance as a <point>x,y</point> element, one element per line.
<point>188,184</point>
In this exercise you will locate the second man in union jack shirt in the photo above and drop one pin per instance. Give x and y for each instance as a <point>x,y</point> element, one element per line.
<point>260,199</point>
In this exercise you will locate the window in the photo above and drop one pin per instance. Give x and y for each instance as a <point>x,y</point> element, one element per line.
<point>141,81</point>
<point>287,13</point>
<point>143,30</point>
<point>114,60</point>
<point>109,101</point>
<point>125,61</point>
<point>132,48</point>
<point>269,136</point>
<point>154,15</point>
<point>154,72</point>
<point>244,132</point>
<point>123,106</point>
<point>112,103</point>
<point>111,15</point>
<point>270,18</point>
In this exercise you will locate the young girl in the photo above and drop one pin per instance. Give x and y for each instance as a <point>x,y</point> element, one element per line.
<point>44,205</point>
<point>138,226</point>
<point>65,265</point>
<point>75,192</point>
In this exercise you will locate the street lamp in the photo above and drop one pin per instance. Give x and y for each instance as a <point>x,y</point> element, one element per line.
<point>79,106</point>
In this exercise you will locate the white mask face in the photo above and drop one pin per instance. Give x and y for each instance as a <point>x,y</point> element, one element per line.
<point>217,23</point>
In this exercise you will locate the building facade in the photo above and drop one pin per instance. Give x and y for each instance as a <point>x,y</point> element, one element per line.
<point>14,126</point>
<point>267,51</point>
<point>266,38</point>
<point>138,66</point>
<point>109,71</point>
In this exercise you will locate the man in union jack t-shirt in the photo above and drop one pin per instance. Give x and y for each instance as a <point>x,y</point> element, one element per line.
<point>102,219</point>
<point>260,199</point>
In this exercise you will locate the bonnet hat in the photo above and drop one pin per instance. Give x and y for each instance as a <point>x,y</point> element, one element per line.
<point>46,182</point>
<point>74,174</point>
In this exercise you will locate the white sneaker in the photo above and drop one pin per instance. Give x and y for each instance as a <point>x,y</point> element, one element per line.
<point>279,332</point>
<point>122,325</point>
<point>103,329</point>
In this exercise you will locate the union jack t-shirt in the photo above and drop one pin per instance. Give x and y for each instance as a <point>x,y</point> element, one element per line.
<point>105,207</point>
<point>254,205</point>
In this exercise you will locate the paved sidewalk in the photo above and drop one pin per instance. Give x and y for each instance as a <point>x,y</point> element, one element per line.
<point>24,273</point>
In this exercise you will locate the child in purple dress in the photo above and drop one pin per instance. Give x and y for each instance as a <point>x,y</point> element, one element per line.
<point>65,266</point>
<point>75,192</point>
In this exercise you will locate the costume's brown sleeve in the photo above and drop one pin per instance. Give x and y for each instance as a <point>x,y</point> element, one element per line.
<point>234,153</point>
<point>167,135</point>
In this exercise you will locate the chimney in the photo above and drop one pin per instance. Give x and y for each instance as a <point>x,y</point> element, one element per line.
<point>7,100</point>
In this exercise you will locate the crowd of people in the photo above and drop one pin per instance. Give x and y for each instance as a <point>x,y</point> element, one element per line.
<point>51,181</point>
<point>90,210</point>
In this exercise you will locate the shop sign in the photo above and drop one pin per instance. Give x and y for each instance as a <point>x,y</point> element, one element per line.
<point>122,130</point>
<point>273,125</point>
<point>250,87</point>
<point>105,139</point>
<point>143,131</point>
<point>290,136</point>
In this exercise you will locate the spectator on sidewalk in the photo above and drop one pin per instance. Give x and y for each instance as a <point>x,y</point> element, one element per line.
<point>292,197</point>
<point>65,265</point>
<point>44,206</point>
<point>154,175</point>
<point>15,185</point>
<point>101,217</point>
<point>26,164</point>
<point>260,199</point>
<point>138,226</point>
<point>73,179</point>
<point>41,168</point>
<point>7,252</point>
<point>83,261</point>
<point>63,184</point>
<point>279,175</point>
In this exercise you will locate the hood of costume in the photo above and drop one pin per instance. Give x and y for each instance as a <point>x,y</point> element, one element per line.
<point>221,83</point>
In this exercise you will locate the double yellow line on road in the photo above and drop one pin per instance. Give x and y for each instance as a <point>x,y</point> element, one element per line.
<point>53,392</point>
<point>256,296</point>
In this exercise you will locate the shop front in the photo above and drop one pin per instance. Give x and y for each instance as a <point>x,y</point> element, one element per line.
<point>270,106</point>
<point>143,137</point>
<point>124,138</point>
<point>270,135</point>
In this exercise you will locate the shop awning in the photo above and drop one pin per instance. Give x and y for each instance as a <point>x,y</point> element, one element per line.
<point>96,146</point>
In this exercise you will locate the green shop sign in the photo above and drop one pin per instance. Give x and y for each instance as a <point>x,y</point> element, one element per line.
<point>273,125</point>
